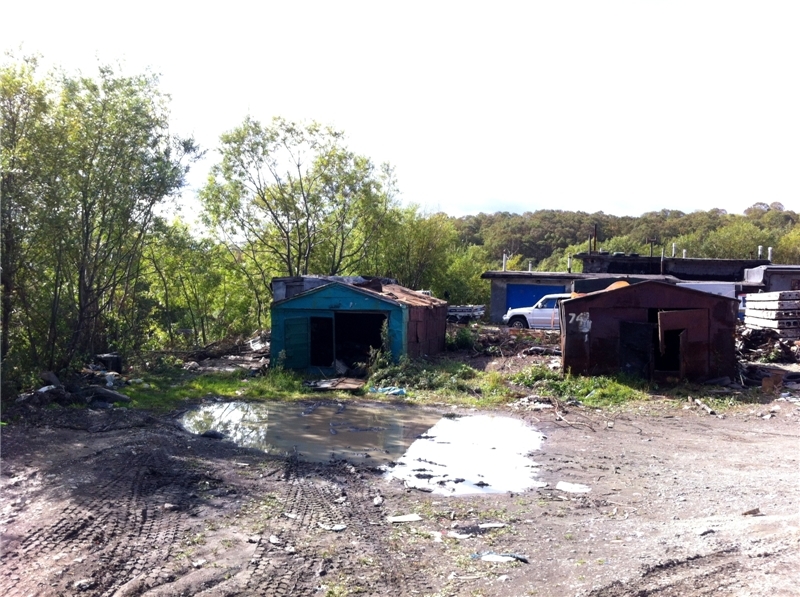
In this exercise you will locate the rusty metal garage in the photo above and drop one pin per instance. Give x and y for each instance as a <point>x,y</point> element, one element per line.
<point>651,330</point>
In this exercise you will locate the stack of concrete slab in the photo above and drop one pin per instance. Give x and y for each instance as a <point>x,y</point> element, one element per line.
<point>779,311</point>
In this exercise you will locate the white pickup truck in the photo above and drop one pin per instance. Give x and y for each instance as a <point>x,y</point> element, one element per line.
<point>543,315</point>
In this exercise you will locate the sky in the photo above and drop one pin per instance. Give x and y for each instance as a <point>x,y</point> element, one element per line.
<point>615,106</point>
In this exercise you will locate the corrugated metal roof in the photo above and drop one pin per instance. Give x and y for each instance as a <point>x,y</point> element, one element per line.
<point>406,296</point>
<point>390,292</point>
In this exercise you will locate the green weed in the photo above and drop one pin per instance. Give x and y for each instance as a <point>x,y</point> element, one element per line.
<point>600,390</point>
<point>461,338</point>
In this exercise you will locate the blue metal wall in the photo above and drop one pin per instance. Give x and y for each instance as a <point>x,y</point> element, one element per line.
<point>526,295</point>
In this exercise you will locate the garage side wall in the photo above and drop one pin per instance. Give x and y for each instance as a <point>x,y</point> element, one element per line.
<point>427,328</point>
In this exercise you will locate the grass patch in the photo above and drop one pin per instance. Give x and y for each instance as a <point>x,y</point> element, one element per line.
<point>455,382</point>
<point>166,390</point>
<point>600,390</point>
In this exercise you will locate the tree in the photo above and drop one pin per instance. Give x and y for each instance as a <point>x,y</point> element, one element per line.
<point>415,250</point>
<point>788,249</point>
<point>87,169</point>
<point>297,194</point>
<point>736,240</point>
<point>24,104</point>
<point>462,283</point>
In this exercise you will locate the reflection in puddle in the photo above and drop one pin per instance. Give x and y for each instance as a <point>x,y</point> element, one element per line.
<point>450,456</point>
<point>478,454</point>
<point>375,434</point>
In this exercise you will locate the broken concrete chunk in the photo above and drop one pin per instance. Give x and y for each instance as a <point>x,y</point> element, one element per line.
<point>50,378</point>
<point>109,395</point>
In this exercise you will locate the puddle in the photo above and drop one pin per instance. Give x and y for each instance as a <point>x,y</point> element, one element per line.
<point>448,456</point>
<point>372,434</point>
<point>475,454</point>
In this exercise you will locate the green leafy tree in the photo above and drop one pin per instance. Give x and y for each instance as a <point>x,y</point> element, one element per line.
<point>788,248</point>
<point>415,252</point>
<point>295,193</point>
<point>25,102</point>
<point>462,283</point>
<point>737,240</point>
<point>87,169</point>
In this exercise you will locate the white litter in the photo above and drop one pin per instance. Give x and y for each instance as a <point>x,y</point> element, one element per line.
<point>492,525</point>
<point>572,487</point>
<point>332,527</point>
<point>405,518</point>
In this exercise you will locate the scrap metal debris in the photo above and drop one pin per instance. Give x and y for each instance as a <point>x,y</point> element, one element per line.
<point>766,345</point>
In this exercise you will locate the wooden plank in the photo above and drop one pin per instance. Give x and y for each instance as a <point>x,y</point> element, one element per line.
<point>339,383</point>
<point>422,332</point>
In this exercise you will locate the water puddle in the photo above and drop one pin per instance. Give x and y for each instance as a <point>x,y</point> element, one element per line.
<point>475,454</point>
<point>372,434</point>
<point>443,455</point>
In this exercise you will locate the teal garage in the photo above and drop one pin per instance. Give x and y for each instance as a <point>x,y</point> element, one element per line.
<point>330,329</point>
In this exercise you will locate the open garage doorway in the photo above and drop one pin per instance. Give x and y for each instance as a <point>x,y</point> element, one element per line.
<point>355,334</point>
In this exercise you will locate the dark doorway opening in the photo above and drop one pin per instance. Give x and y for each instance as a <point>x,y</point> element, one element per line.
<point>321,341</point>
<point>356,333</point>
<point>668,361</point>
<point>636,348</point>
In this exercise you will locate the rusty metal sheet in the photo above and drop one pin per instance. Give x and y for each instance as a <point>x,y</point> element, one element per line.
<point>695,321</point>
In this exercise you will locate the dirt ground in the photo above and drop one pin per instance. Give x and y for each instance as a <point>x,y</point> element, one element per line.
<point>119,502</point>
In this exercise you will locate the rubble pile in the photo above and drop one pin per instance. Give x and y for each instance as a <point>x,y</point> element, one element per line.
<point>494,341</point>
<point>257,345</point>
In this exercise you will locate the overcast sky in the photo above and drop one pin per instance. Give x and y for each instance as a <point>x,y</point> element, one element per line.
<point>621,107</point>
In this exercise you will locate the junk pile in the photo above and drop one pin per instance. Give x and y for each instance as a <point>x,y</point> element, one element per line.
<point>231,355</point>
<point>94,388</point>
<point>766,345</point>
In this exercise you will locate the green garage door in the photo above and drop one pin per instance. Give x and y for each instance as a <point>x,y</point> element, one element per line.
<point>296,343</point>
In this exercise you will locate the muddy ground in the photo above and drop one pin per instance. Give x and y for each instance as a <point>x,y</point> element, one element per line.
<point>682,503</point>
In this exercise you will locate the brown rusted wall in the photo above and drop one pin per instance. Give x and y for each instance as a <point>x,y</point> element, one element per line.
<point>426,330</point>
<point>707,354</point>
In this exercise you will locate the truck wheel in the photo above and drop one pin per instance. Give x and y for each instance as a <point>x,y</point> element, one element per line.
<point>518,323</point>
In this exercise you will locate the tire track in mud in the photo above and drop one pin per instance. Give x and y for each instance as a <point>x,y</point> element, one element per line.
<point>696,576</point>
<point>115,531</point>
<point>111,531</point>
<point>301,550</point>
